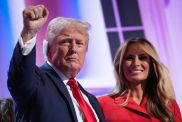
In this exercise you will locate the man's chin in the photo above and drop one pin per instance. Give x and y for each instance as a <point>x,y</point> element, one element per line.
<point>73,67</point>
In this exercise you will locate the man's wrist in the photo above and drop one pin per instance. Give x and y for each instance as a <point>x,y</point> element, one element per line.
<point>28,34</point>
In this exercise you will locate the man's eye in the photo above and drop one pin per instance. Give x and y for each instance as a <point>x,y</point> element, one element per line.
<point>64,42</point>
<point>80,43</point>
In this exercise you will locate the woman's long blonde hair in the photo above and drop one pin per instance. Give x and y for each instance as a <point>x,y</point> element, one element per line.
<point>159,86</point>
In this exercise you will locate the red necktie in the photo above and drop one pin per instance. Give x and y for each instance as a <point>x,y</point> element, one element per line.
<point>87,111</point>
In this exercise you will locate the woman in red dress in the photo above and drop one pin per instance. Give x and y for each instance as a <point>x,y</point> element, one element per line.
<point>143,92</point>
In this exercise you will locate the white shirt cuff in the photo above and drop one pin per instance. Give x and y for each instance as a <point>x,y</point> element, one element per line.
<point>28,46</point>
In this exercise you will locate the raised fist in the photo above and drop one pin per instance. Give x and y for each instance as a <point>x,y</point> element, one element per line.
<point>33,19</point>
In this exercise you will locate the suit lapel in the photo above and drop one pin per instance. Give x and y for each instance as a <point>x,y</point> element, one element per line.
<point>61,87</point>
<point>132,105</point>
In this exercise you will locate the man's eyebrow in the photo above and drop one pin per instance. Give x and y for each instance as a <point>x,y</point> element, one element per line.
<point>63,37</point>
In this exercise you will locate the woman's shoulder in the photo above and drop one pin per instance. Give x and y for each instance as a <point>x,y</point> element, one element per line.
<point>104,99</point>
<point>106,102</point>
<point>173,106</point>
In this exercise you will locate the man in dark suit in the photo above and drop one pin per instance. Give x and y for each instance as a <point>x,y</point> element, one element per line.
<point>44,94</point>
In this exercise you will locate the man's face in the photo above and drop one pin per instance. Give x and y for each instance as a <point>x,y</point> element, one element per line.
<point>68,50</point>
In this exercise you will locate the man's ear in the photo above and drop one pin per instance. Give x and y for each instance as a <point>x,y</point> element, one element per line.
<point>48,52</point>
<point>87,48</point>
<point>45,49</point>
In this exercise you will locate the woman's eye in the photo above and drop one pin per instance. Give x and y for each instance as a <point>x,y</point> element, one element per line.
<point>129,57</point>
<point>143,57</point>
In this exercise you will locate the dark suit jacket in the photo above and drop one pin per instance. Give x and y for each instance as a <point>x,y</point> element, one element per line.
<point>39,93</point>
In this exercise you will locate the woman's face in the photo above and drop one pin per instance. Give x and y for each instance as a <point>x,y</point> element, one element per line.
<point>136,64</point>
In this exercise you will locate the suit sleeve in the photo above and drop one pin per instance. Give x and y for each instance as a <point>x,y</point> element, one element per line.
<point>22,77</point>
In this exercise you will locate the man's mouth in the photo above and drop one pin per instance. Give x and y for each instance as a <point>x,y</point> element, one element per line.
<point>71,59</point>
